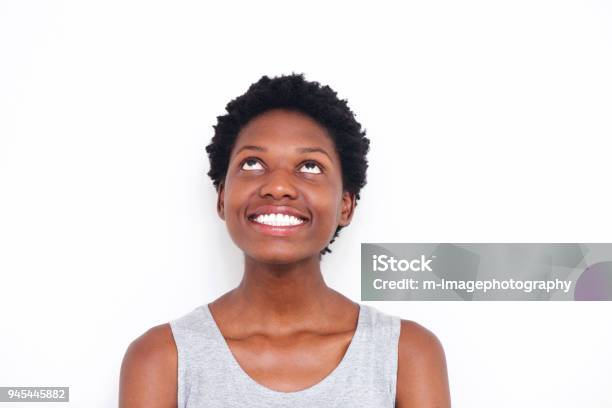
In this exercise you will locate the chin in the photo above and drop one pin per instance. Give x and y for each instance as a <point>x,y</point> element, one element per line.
<point>279,257</point>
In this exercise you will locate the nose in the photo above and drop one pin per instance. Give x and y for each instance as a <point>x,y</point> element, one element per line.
<point>278,185</point>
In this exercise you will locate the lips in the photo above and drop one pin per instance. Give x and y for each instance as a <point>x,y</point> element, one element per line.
<point>277,209</point>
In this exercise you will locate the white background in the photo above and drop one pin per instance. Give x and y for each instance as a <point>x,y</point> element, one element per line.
<point>489,120</point>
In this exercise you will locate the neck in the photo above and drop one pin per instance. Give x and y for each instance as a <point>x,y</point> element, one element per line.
<point>283,293</point>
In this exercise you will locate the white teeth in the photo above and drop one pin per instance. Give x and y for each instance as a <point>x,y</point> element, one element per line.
<point>278,220</point>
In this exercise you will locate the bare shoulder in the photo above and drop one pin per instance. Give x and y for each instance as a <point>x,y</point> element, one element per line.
<point>422,378</point>
<point>149,371</point>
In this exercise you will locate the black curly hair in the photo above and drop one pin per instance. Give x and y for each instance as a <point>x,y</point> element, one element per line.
<point>293,92</point>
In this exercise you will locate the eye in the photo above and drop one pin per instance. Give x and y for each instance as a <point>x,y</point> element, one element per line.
<point>251,162</point>
<point>309,166</point>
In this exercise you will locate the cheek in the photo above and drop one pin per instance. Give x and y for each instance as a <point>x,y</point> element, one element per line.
<point>235,197</point>
<point>328,210</point>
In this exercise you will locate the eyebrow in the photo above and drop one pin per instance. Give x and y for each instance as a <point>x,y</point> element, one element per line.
<point>299,150</point>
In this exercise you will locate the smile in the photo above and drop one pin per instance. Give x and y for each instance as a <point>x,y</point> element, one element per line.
<point>277,224</point>
<point>278,220</point>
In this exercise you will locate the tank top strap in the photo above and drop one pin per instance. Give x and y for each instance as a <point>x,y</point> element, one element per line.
<point>198,353</point>
<point>379,347</point>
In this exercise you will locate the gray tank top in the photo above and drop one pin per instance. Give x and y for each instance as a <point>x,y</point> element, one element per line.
<point>210,376</point>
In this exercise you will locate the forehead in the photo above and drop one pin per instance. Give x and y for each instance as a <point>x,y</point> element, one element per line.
<point>285,128</point>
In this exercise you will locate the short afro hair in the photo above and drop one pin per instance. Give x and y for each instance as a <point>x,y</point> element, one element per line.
<point>293,92</point>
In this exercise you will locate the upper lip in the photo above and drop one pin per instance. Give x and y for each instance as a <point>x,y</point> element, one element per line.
<point>277,209</point>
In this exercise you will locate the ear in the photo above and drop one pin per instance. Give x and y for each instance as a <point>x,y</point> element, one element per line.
<point>348,208</point>
<point>221,201</point>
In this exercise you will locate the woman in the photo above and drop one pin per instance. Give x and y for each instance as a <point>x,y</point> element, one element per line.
<point>288,161</point>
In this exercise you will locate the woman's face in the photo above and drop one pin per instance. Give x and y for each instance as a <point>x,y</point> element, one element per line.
<point>283,162</point>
